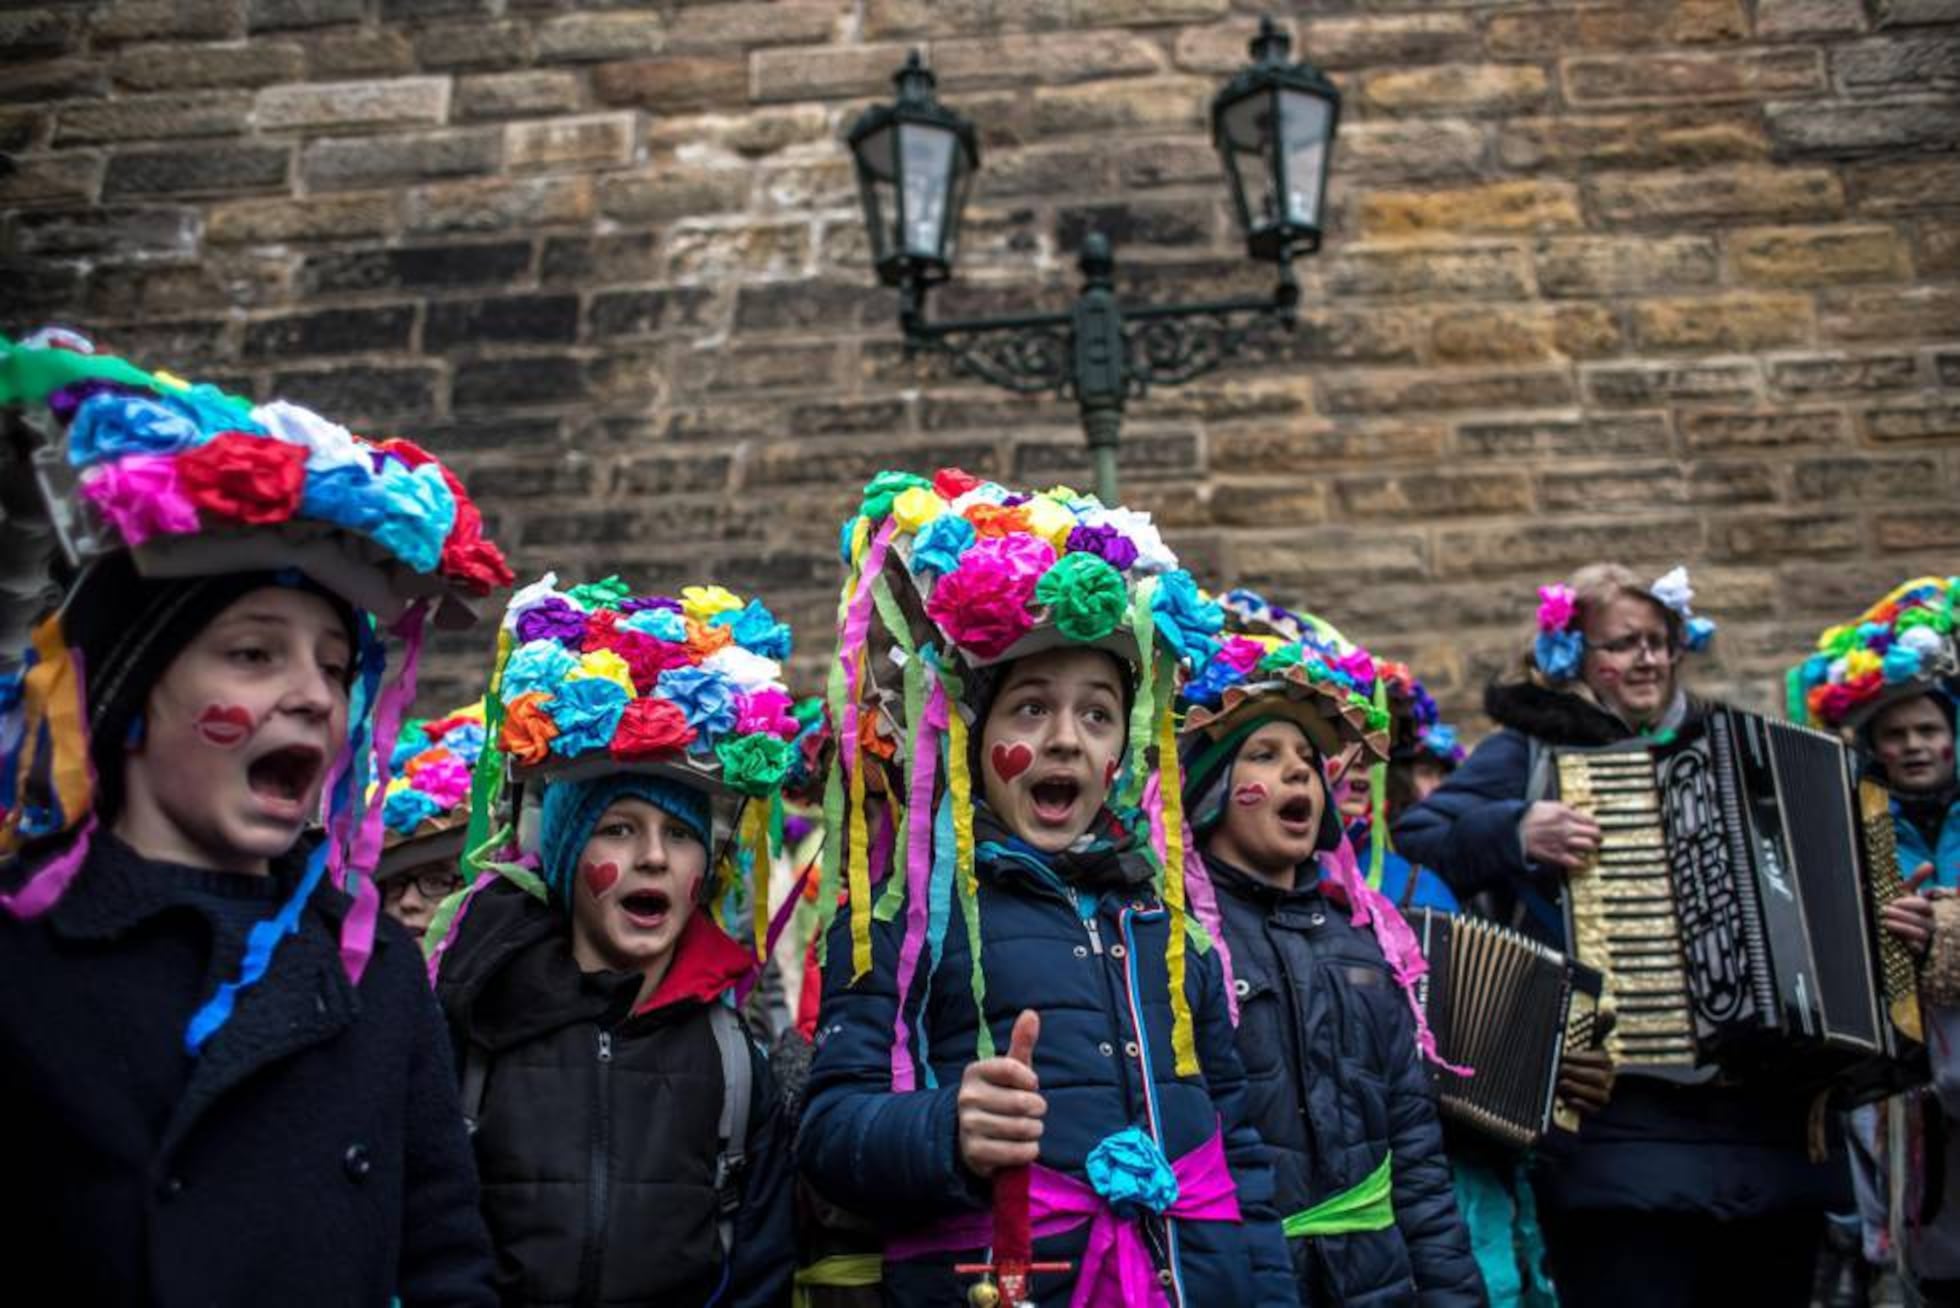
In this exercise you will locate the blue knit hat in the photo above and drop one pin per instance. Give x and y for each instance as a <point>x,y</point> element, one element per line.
<point>570,809</point>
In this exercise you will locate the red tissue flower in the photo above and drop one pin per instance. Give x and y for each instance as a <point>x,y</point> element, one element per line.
<point>649,727</point>
<point>244,478</point>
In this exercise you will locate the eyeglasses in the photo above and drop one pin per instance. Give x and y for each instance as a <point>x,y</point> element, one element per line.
<point>1660,647</point>
<point>435,883</point>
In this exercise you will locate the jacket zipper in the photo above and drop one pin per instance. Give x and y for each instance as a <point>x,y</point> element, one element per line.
<point>598,1198</point>
<point>1114,1003</point>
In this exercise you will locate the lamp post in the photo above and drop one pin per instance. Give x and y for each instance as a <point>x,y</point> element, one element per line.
<point>1273,125</point>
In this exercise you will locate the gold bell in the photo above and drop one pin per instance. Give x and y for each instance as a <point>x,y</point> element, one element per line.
<point>983,1294</point>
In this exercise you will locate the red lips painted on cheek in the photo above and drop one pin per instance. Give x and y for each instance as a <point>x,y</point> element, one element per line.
<point>600,877</point>
<point>224,725</point>
<point>1010,761</point>
<point>1250,794</point>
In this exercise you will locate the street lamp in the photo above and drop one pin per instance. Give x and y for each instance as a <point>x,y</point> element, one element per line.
<point>1273,125</point>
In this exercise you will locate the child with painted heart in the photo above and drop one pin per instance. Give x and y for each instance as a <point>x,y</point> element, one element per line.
<point>630,1140</point>
<point>1331,1042</point>
<point>226,1079</point>
<point>1015,980</point>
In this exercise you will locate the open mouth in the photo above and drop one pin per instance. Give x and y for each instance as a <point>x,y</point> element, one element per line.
<point>1297,812</point>
<point>285,776</point>
<point>646,908</point>
<point>1054,798</point>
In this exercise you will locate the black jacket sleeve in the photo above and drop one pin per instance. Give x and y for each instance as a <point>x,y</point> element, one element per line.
<point>445,1258</point>
<point>1467,830</point>
<point>764,1253</point>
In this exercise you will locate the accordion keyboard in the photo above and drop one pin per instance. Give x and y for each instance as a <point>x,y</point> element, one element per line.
<point>1620,909</point>
<point>1900,978</point>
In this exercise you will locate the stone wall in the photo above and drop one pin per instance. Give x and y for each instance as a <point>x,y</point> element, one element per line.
<point>1653,279</point>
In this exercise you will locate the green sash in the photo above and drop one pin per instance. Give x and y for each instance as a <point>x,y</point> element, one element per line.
<point>839,1271</point>
<point>1368,1206</point>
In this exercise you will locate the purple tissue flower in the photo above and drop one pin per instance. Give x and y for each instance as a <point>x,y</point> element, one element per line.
<point>641,603</point>
<point>1111,545</point>
<point>553,619</point>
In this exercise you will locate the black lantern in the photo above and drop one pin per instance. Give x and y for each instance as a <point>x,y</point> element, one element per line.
<point>914,160</point>
<point>1274,125</point>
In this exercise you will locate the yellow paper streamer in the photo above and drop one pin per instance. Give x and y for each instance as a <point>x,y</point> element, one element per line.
<point>860,856</point>
<point>959,785</point>
<point>51,696</point>
<point>1184,1040</point>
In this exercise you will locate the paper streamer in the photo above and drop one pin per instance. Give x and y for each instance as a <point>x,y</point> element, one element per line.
<point>918,874</point>
<point>1184,1041</point>
<point>960,785</point>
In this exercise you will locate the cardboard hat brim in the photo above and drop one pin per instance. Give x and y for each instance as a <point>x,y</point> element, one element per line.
<point>356,569</point>
<point>1326,713</point>
<point>439,845</point>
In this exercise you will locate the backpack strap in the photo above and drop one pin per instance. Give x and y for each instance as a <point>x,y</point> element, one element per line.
<point>738,1083</point>
<point>476,1074</point>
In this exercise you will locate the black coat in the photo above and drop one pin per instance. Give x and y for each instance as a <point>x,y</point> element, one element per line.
<point>1335,1083</point>
<point>1726,1150</point>
<point>313,1153</point>
<point>597,1132</point>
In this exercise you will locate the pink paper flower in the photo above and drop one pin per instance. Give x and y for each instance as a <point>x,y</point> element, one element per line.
<point>141,495</point>
<point>1241,654</point>
<point>983,605</point>
<point>446,780</point>
<point>768,711</point>
<point>1555,608</point>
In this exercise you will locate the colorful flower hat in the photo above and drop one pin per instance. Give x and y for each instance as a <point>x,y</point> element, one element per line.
<point>1277,661</point>
<point>1560,647</point>
<point>426,805</point>
<point>1901,646</point>
<point>950,575</point>
<point>191,481</point>
<point>1418,730</point>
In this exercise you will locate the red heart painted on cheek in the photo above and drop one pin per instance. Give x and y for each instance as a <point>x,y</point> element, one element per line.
<point>601,877</point>
<point>1010,761</point>
<point>224,725</point>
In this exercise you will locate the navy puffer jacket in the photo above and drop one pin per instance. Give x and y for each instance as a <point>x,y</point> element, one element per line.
<point>1336,1084</point>
<point>1099,981</point>
<point>1717,1150</point>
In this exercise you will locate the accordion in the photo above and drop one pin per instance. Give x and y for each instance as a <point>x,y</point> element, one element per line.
<point>1732,907</point>
<point>1505,1007</point>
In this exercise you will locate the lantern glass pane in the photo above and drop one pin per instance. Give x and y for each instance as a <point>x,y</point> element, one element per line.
<point>878,189</point>
<point>1248,137</point>
<point>1304,123</point>
<point>926,166</point>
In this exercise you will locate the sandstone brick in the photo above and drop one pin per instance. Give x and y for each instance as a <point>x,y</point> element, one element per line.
<point>1692,78</point>
<point>1134,223</point>
<point>594,140</point>
<point>1043,60</point>
<point>1393,152</point>
<point>1739,192</point>
<point>664,194</point>
<point>1273,499</point>
<point>169,67</point>
<point>149,20</point>
<point>1919,61</point>
<point>591,37</point>
<point>1668,139</point>
<point>1216,49</point>
<point>1902,313</point>
<point>40,286</point>
<point>1291,561</point>
<point>1909,13</point>
<point>602,260</point>
<point>802,187</point>
<point>417,267</point>
<point>1551,547</point>
<point>1377,40</point>
<point>398,101</point>
<point>1936,247</point>
<point>1639,385</point>
<point>817,73</point>
<point>1817,256</point>
<point>315,218</point>
<point>1934,420</point>
<point>21,129</point>
<point>356,54</point>
<point>1441,272</point>
<point>1730,431</point>
<point>330,331</point>
<point>1849,374</point>
<point>1432,495</point>
<point>1495,207</point>
<point>501,320</point>
<point>337,164</point>
<point>1733,322</point>
<point>198,171</point>
<point>1604,265</point>
<point>1865,477</point>
<point>664,472</point>
<point>526,381</point>
<point>1917,531</point>
<point>1794,18</point>
<point>1383,391</point>
<point>473,45</point>
<point>1371,443</point>
<point>1896,187</point>
<point>53,79</point>
<point>754,134</point>
<point>149,229</point>
<point>1457,88</point>
<point>1863,127</point>
<point>1564,438</point>
<point>154,117</point>
<point>38,34</point>
<point>1618,487</point>
<point>1769,537</point>
<point>1540,33</point>
<point>153,290</point>
<point>1523,334</point>
<point>1142,104</point>
<point>51,179</point>
<point>885,19</point>
<point>672,84</point>
<point>496,204</point>
<point>616,315</point>
<point>758,252</point>
<point>755,23</point>
<point>277,15</point>
<point>804,306</point>
<point>509,95</point>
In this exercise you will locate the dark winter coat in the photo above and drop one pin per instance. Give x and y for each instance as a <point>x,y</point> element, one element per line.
<point>1335,1085</point>
<point>597,1130</point>
<point>313,1153</point>
<point>894,1157</point>
<point>1721,1150</point>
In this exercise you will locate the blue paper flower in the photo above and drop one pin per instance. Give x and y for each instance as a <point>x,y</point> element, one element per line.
<point>1440,739</point>
<point>346,494</point>
<point>587,712</point>
<point>755,629</point>
<point>110,425</point>
<point>1816,670</point>
<point>1185,618</point>
<point>1901,664</point>
<point>940,543</point>
<point>408,809</point>
<point>661,624</point>
<point>1209,686</point>
<point>705,698</point>
<point>1699,632</point>
<point>410,742</point>
<point>1131,1174</point>
<point>539,665</point>
<point>465,739</point>
<point>214,411</point>
<point>420,512</point>
<point>1558,653</point>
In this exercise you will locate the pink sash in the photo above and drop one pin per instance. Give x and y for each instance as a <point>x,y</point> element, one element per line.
<point>1116,1270</point>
